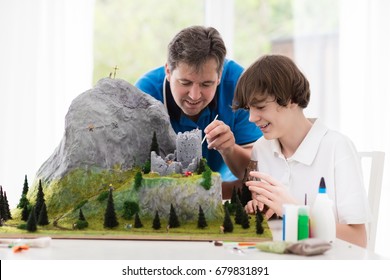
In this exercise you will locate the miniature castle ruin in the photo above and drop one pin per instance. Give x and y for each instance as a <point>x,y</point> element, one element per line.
<point>185,158</point>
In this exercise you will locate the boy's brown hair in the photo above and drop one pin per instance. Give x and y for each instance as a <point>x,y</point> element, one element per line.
<point>272,75</point>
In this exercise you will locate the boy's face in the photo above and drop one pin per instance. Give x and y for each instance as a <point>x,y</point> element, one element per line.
<point>274,121</point>
<point>193,90</point>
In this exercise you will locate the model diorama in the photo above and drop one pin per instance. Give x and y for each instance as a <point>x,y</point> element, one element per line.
<point>120,170</point>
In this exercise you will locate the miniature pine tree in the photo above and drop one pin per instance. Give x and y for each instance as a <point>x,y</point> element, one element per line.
<point>81,215</point>
<point>173,219</point>
<point>239,194</point>
<point>7,212</point>
<point>138,180</point>
<point>23,200</point>
<point>25,185</point>
<point>81,222</point>
<point>227,222</point>
<point>31,225</point>
<point>25,212</point>
<point>2,207</point>
<point>201,166</point>
<point>43,219</point>
<point>260,214</point>
<point>137,221</point>
<point>110,220</point>
<point>259,221</point>
<point>146,167</point>
<point>206,183</point>
<point>156,221</point>
<point>234,196</point>
<point>129,209</point>
<point>154,146</point>
<point>239,213</point>
<point>127,215</point>
<point>201,218</point>
<point>235,200</point>
<point>230,207</point>
<point>245,220</point>
<point>245,194</point>
<point>40,199</point>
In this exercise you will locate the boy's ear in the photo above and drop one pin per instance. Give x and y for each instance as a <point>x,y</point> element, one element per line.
<point>292,105</point>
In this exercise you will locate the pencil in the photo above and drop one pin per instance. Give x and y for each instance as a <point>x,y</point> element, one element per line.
<point>240,244</point>
<point>204,138</point>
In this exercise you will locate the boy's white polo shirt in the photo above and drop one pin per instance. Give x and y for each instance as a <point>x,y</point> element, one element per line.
<point>323,153</point>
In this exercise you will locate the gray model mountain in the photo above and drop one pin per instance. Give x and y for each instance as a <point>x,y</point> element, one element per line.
<point>110,125</point>
<point>109,131</point>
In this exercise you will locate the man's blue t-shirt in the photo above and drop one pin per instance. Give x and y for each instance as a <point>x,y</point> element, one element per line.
<point>244,131</point>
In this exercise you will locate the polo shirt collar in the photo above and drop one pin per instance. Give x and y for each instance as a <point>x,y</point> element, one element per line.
<point>309,147</point>
<point>204,118</point>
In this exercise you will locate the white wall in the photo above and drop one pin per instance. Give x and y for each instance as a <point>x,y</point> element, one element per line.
<point>45,61</point>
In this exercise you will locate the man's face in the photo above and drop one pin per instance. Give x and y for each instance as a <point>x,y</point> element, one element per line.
<point>193,90</point>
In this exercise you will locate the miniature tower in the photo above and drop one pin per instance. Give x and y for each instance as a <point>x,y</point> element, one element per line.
<point>189,147</point>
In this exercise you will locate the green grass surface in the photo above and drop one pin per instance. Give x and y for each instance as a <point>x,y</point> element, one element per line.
<point>95,230</point>
<point>88,189</point>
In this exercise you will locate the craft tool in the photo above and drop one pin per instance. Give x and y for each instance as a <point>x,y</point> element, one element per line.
<point>40,242</point>
<point>305,198</point>
<point>240,244</point>
<point>20,248</point>
<point>204,138</point>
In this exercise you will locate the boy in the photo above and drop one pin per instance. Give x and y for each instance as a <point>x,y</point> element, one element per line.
<point>295,152</point>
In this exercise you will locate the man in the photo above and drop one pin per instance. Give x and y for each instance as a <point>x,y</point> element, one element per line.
<point>196,85</point>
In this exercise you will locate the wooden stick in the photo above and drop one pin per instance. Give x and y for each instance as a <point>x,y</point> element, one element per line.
<point>204,138</point>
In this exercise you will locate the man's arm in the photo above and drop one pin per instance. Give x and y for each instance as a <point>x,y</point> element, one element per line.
<point>237,161</point>
<point>237,158</point>
<point>220,137</point>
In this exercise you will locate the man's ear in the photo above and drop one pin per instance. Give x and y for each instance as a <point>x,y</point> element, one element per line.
<point>167,72</point>
<point>219,77</point>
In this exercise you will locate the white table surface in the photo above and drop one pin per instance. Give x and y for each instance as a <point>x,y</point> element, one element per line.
<point>81,249</point>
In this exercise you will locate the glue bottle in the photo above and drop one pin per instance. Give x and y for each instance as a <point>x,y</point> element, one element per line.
<point>322,220</point>
<point>303,222</point>
<point>290,223</point>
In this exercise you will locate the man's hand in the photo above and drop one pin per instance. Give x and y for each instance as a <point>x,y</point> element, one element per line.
<point>220,137</point>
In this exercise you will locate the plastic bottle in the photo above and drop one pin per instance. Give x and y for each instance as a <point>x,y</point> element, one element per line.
<point>303,222</point>
<point>290,222</point>
<point>322,220</point>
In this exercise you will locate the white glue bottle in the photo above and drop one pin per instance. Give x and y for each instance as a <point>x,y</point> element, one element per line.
<point>322,220</point>
<point>290,222</point>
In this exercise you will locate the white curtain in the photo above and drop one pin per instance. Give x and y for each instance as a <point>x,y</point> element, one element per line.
<point>220,15</point>
<point>46,60</point>
<point>365,88</point>
<point>347,60</point>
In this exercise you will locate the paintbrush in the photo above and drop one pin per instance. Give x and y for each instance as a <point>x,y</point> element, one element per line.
<point>204,138</point>
<point>40,242</point>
